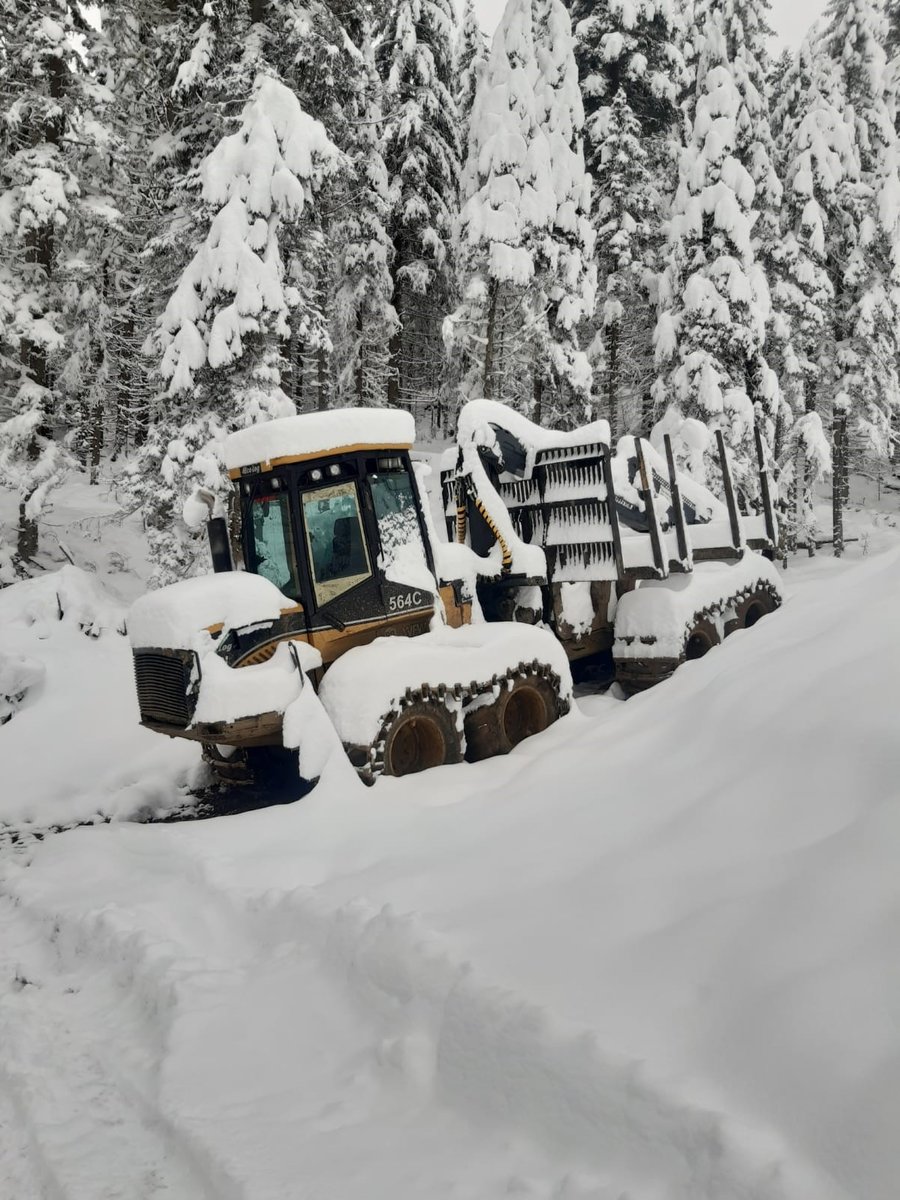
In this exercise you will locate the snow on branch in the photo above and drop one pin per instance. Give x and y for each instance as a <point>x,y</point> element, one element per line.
<point>256,179</point>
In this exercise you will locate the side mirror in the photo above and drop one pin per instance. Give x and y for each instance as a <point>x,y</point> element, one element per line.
<point>219,545</point>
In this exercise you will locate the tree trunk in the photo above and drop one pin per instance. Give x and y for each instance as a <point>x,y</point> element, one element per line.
<point>612,380</point>
<point>646,413</point>
<point>537,414</point>
<point>359,359</point>
<point>95,441</point>
<point>489,341</point>
<point>809,393</point>
<point>779,433</point>
<point>395,351</point>
<point>790,510</point>
<point>27,540</point>
<point>321,379</point>
<point>838,479</point>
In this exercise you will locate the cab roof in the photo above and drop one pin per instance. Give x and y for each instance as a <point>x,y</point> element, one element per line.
<point>315,435</point>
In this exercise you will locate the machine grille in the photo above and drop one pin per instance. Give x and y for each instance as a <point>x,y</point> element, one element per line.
<point>164,685</point>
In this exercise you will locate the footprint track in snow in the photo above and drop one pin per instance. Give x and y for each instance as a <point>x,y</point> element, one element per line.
<point>81,1124</point>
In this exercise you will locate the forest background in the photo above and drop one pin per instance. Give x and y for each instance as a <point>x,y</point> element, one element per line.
<point>214,212</point>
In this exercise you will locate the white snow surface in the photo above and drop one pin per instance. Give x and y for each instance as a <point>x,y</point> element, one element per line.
<point>174,617</point>
<point>650,954</point>
<point>318,433</point>
<point>367,682</point>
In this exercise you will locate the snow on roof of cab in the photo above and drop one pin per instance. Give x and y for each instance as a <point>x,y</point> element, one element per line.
<point>311,434</point>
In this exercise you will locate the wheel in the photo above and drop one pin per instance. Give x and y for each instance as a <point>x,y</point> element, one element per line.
<point>527,708</point>
<point>755,606</point>
<point>423,735</point>
<point>701,639</point>
<point>752,608</point>
<point>635,675</point>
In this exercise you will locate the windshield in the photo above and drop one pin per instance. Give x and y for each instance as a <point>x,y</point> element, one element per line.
<point>398,520</point>
<point>270,521</point>
<point>334,536</point>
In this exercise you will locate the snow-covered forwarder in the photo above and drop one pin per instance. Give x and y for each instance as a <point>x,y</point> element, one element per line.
<point>331,581</point>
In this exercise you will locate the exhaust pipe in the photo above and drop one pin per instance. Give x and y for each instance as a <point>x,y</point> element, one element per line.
<point>219,544</point>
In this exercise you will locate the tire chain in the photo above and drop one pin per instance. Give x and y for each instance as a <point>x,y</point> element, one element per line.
<point>460,695</point>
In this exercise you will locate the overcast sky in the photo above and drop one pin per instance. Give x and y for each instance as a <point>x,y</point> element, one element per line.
<point>789,18</point>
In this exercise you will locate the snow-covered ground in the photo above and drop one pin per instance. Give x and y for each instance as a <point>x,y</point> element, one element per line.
<point>650,955</point>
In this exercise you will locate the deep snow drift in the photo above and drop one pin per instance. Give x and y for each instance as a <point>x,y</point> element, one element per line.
<point>651,954</point>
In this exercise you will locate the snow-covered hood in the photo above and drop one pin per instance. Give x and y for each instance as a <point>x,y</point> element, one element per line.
<point>175,616</point>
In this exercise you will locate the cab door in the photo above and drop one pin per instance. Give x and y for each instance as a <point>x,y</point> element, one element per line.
<point>404,561</point>
<point>354,532</point>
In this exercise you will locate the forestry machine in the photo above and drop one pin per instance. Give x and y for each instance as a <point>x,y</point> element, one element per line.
<point>331,582</point>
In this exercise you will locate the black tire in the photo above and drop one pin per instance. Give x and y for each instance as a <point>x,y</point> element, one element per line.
<point>755,606</point>
<point>421,736</point>
<point>519,712</point>
<point>700,639</point>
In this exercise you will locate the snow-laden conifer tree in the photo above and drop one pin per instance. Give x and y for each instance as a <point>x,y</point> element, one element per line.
<point>422,153</point>
<point>364,315</point>
<point>471,58</point>
<point>525,238</point>
<point>627,46</point>
<point>805,460</point>
<point>714,297</point>
<point>819,162</point>
<point>43,104</point>
<point>320,51</point>
<point>746,31</point>
<point>864,245</point>
<point>629,54</point>
<point>626,210</point>
<point>223,332</point>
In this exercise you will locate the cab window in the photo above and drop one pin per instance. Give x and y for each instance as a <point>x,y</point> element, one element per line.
<point>335,541</point>
<point>397,517</point>
<point>273,546</point>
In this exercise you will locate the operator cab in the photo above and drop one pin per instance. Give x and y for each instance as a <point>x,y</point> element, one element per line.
<point>339,530</point>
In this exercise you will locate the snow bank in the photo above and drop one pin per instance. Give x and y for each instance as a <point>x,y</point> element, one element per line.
<point>18,674</point>
<point>319,433</point>
<point>368,681</point>
<point>666,608</point>
<point>75,750</point>
<point>69,595</point>
<point>174,616</point>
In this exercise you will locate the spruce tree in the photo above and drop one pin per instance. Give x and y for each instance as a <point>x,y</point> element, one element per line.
<point>43,100</point>
<point>819,163</point>
<point>422,153</point>
<point>471,58</point>
<point>628,56</point>
<point>364,315</point>
<point>713,294</point>
<point>632,48</point>
<point>627,208</point>
<point>224,331</point>
<point>865,252</point>
<point>525,238</point>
